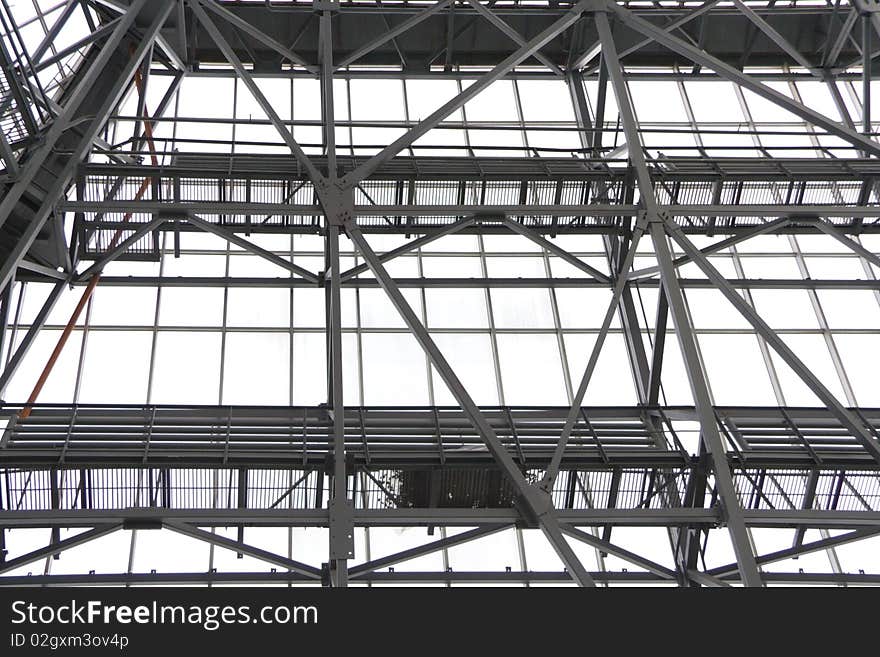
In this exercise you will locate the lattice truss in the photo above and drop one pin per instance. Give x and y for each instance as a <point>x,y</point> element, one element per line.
<point>439,292</point>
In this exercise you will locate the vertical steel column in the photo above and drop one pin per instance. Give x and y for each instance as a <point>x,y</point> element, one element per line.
<point>3,550</point>
<point>699,387</point>
<point>866,73</point>
<point>340,508</point>
<point>328,123</point>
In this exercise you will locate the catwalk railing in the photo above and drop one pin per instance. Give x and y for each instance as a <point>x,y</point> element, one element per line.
<point>628,465</point>
<point>412,195</point>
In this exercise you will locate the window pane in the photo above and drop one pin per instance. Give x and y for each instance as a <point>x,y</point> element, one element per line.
<point>522,308</point>
<point>187,369</point>
<point>394,370</point>
<point>258,307</point>
<point>256,369</point>
<point>531,371</point>
<point>120,357</point>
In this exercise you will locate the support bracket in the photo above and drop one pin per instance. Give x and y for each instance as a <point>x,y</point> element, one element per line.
<point>341,528</point>
<point>338,204</point>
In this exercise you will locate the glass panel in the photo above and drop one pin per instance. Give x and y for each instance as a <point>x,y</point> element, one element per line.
<point>394,370</point>
<point>122,356</point>
<point>256,369</point>
<point>187,369</point>
<point>531,371</point>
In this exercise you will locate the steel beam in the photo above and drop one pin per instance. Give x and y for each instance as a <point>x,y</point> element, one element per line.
<point>620,283</point>
<point>341,508</point>
<point>412,517</point>
<point>619,552</point>
<point>718,246</point>
<point>536,504</point>
<point>313,174</point>
<point>709,429</point>
<point>656,368</point>
<point>856,247</point>
<point>328,114</point>
<point>490,16</point>
<point>393,517</point>
<point>684,331</point>
<point>422,550</point>
<point>706,579</point>
<point>792,212</point>
<point>735,75</point>
<point>260,36</point>
<point>57,548</point>
<point>544,243</point>
<point>186,529</point>
<point>417,243</point>
<point>773,35</point>
<point>139,231</point>
<point>451,283</point>
<point>813,382</point>
<point>397,30</point>
<point>28,340</point>
<point>403,578</point>
<point>456,210</point>
<point>367,168</point>
<point>795,552</point>
<point>250,247</point>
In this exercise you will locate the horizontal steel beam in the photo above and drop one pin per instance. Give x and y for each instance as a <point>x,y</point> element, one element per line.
<point>262,578</point>
<point>419,577</point>
<point>580,283</point>
<point>436,517</point>
<point>362,518</point>
<point>373,210</point>
<point>462,210</point>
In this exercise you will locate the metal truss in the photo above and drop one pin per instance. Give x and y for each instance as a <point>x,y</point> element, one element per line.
<point>574,472</point>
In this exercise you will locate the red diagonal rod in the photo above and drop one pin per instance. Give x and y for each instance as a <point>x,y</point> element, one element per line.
<point>93,281</point>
